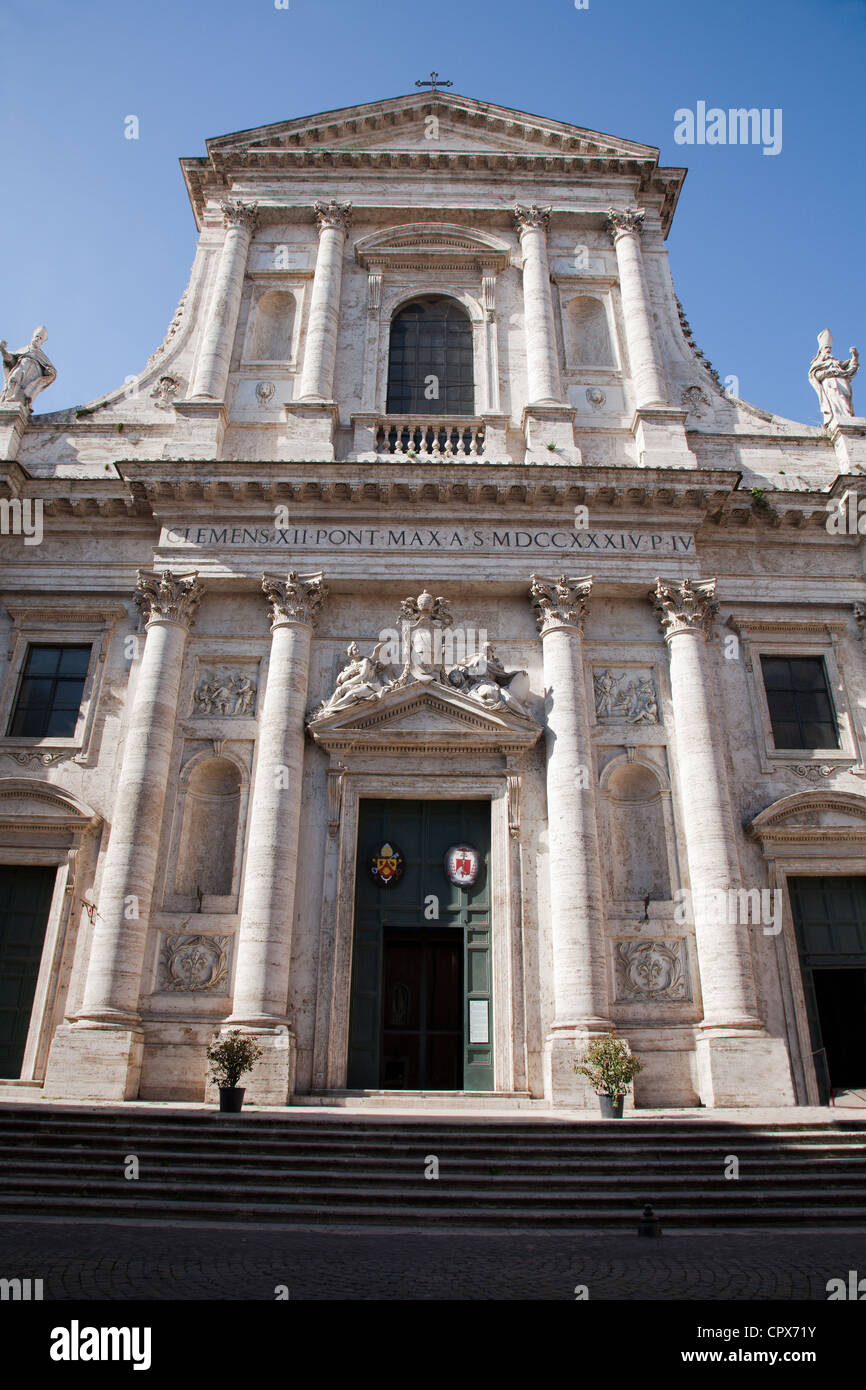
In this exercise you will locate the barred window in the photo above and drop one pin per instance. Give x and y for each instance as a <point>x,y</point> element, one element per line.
<point>430,368</point>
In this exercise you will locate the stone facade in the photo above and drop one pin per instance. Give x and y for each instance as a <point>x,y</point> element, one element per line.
<point>629,538</point>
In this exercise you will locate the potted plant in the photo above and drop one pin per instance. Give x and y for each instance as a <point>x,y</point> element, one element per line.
<point>230,1056</point>
<point>610,1067</point>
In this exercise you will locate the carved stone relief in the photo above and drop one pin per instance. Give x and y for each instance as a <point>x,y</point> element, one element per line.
<point>417,656</point>
<point>225,693</point>
<point>194,964</point>
<point>625,695</point>
<point>647,970</point>
<point>164,392</point>
<point>694,401</point>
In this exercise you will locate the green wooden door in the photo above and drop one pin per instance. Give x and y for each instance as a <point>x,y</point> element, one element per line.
<point>404,962</point>
<point>830,921</point>
<point>25,900</point>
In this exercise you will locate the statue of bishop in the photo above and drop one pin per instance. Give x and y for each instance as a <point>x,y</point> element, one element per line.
<point>832,380</point>
<point>28,371</point>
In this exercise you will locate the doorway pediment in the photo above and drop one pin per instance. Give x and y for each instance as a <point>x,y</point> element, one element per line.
<point>424,718</point>
<point>811,818</point>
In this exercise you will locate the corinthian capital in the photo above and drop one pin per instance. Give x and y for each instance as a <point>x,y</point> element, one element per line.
<point>242,215</point>
<point>333,215</point>
<point>168,598</point>
<point>624,220</point>
<point>559,602</point>
<point>685,605</point>
<point>295,599</point>
<point>532,216</point>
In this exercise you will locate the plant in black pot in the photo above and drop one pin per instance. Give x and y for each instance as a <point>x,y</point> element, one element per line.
<point>230,1056</point>
<point>610,1068</point>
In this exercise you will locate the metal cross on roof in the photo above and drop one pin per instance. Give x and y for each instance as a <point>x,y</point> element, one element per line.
<point>434,83</point>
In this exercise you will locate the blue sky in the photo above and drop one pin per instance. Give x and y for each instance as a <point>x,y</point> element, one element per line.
<point>98,236</point>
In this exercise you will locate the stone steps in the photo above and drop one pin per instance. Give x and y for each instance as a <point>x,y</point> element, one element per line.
<point>272,1167</point>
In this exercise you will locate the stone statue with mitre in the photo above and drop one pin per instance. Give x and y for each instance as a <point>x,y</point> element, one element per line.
<point>28,371</point>
<point>832,380</point>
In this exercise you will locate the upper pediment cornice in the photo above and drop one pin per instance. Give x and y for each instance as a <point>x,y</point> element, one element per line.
<point>476,137</point>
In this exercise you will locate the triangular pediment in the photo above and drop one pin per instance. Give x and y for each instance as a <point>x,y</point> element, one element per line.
<point>424,717</point>
<point>440,130</point>
<point>402,123</point>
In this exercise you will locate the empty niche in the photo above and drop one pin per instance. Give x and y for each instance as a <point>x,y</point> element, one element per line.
<point>210,829</point>
<point>273,327</point>
<point>639,855</point>
<point>590,336</point>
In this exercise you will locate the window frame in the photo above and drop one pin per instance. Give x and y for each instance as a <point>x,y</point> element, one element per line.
<point>791,639</point>
<point>33,627</point>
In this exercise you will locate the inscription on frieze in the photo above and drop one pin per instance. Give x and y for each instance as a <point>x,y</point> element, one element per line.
<point>482,540</point>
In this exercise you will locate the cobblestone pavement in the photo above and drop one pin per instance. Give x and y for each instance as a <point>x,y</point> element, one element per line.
<point>138,1260</point>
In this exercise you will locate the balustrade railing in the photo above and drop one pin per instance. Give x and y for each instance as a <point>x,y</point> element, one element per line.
<point>430,439</point>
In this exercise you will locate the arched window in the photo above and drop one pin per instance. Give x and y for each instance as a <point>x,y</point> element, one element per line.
<point>590,339</point>
<point>272,329</point>
<point>430,359</point>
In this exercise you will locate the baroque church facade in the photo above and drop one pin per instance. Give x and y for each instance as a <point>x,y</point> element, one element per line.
<point>425,664</point>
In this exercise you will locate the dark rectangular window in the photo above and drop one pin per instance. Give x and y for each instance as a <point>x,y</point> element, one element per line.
<point>798,696</point>
<point>49,696</point>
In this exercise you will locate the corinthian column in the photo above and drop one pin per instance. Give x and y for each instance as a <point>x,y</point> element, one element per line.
<point>265,936</point>
<point>542,360</point>
<point>737,1063</point>
<point>108,1066</point>
<point>317,380</point>
<point>576,904</point>
<point>647,377</point>
<point>212,370</point>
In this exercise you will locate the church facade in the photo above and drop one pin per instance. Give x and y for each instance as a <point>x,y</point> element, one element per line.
<point>425,664</point>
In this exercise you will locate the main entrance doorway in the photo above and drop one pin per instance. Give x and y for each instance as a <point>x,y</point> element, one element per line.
<point>25,900</point>
<point>421,1014</point>
<point>830,921</point>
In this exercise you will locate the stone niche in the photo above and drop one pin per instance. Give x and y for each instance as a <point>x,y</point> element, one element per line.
<point>204,864</point>
<point>638,863</point>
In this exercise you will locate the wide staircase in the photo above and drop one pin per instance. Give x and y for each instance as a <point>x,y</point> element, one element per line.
<point>532,1173</point>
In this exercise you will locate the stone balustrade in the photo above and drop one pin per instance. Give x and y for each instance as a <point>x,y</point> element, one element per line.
<point>430,439</point>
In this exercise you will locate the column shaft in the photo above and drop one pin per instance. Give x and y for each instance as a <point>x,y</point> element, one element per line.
<point>724,951</point>
<point>542,355</point>
<point>265,940</point>
<point>320,351</point>
<point>123,914</point>
<point>576,899</point>
<point>214,359</point>
<point>647,376</point>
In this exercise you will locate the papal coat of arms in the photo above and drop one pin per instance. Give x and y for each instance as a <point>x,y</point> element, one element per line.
<point>386,864</point>
<point>462,864</point>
